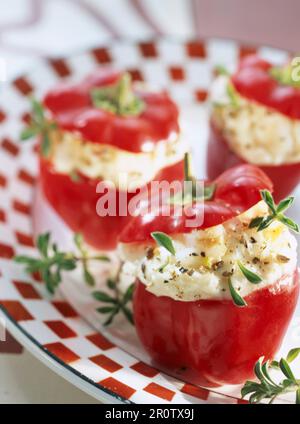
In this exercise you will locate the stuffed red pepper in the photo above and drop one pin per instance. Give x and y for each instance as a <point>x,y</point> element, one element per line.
<point>256,119</point>
<point>104,129</point>
<point>210,301</point>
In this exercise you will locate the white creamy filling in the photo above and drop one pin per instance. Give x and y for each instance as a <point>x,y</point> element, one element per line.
<point>69,154</point>
<point>205,259</point>
<point>257,133</point>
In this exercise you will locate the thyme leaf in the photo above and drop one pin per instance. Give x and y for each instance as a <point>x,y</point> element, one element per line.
<point>118,302</point>
<point>251,276</point>
<point>236,297</point>
<point>164,240</point>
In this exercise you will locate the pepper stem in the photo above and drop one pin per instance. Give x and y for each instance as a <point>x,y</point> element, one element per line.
<point>188,174</point>
<point>118,98</point>
<point>125,93</point>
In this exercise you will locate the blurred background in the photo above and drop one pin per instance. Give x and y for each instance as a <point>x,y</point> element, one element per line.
<point>33,29</point>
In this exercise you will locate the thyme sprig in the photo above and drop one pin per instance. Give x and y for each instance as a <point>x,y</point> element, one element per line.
<point>39,125</point>
<point>116,303</point>
<point>267,388</point>
<point>85,259</point>
<point>275,213</point>
<point>52,261</point>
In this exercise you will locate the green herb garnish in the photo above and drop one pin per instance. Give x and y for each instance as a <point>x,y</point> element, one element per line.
<point>276,213</point>
<point>251,276</point>
<point>39,125</point>
<point>85,259</point>
<point>118,98</point>
<point>293,354</point>
<point>222,70</point>
<point>163,266</point>
<point>164,240</point>
<point>116,303</point>
<point>52,262</point>
<point>287,75</point>
<point>267,388</point>
<point>232,95</point>
<point>236,297</point>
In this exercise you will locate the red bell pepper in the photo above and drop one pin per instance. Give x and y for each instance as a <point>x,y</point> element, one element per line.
<point>254,81</point>
<point>76,203</point>
<point>212,342</point>
<point>220,156</point>
<point>237,190</point>
<point>72,109</point>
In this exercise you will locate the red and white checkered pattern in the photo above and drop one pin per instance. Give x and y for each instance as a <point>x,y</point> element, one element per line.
<point>186,70</point>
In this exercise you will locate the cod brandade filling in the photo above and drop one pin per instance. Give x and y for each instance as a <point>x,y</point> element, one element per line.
<point>205,259</point>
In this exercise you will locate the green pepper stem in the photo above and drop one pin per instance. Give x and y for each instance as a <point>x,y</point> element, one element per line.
<point>188,174</point>
<point>118,98</point>
<point>125,93</point>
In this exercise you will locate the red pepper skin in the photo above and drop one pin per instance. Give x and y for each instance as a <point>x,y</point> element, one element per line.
<point>214,342</point>
<point>71,107</point>
<point>76,202</point>
<point>220,157</point>
<point>254,81</point>
<point>237,190</point>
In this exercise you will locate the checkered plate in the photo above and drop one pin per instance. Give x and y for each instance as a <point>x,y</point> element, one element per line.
<point>101,362</point>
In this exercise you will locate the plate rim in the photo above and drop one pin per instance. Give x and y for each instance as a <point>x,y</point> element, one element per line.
<point>57,365</point>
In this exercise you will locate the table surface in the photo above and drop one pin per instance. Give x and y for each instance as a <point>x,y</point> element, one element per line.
<point>31,29</point>
<point>26,380</point>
